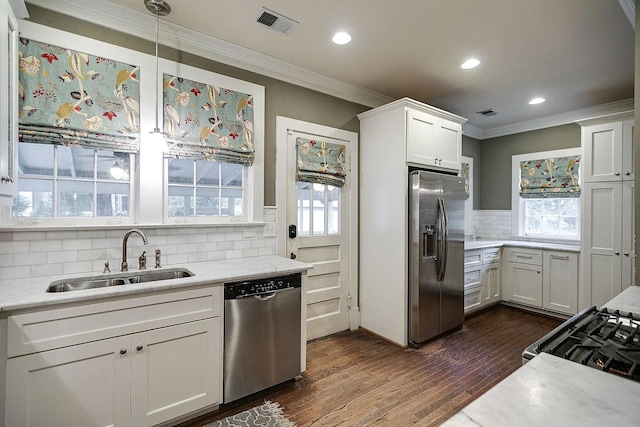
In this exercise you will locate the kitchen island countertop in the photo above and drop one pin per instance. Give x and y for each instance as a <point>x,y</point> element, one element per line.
<point>18,294</point>
<point>549,390</point>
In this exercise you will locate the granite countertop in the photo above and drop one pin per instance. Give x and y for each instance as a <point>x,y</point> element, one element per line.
<point>550,390</point>
<point>470,244</point>
<point>553,391</point>
<point>17,294</point>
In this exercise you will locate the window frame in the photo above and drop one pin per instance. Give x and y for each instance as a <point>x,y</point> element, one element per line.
<point>517,203</point>
<point>149,183</point>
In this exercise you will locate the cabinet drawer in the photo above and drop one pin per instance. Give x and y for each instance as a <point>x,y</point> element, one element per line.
<point>472,298</point>
<point>472,277</point>
<point>524,256</point>
<point>472,258</point>
<point>490,255</point>
<point>56,328</point>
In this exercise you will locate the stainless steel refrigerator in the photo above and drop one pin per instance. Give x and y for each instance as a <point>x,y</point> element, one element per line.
<point>436,254</point>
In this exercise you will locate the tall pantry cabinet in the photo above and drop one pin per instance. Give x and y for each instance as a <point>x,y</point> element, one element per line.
<point>395,137</point>
<point>608,231</point>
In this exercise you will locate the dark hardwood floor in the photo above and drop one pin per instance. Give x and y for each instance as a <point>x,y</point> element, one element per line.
<point>358,379</point>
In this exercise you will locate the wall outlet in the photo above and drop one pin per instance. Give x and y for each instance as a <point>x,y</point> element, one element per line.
<point>269,230</point>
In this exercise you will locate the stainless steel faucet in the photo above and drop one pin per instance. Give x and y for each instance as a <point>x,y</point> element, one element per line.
<point>124,266</point>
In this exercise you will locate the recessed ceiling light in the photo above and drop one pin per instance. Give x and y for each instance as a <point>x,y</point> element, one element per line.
<point>535,101</point>
<point>470,63</point>
<point>341,38</point>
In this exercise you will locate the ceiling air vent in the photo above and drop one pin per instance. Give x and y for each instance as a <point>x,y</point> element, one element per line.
<point>487,113</point>
<point>275,21</point>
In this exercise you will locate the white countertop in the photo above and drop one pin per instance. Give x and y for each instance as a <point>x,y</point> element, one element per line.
<point>626,301</point>
<point>551,391</point>
<point>17,294</point>
<point>489,243</point>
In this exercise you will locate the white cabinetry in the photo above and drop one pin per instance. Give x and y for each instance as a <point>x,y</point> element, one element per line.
<point>141,361</point>
<point>543,279</point>
<point>560,281</point>
<point>608,229</point>
<point>9,10</point>
<point>482,273</point>
<point>433,141</point>
<point>384,169</point>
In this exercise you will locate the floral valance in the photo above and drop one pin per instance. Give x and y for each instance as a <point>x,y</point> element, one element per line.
<point>556,177</point>
<point>321,162</point>
<point>464,173</point>
<point>207,122</point>
<point>76,99</point>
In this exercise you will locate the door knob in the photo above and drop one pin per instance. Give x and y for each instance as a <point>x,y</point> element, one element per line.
<point>293,256</point>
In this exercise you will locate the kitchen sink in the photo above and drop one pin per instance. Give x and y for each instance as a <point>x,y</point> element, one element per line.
<point>117,279</point>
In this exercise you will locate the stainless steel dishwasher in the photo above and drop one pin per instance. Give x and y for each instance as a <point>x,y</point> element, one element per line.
<point>262,334</point>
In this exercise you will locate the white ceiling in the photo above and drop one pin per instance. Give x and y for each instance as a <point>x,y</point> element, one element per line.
<point>578,54</point>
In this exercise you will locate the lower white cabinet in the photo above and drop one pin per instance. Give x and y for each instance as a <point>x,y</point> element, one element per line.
<point>482,278</point>
<point>541,278</point>
<point>142,378</point>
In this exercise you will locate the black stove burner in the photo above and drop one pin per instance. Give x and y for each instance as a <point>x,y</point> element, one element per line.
<point>609,341</point>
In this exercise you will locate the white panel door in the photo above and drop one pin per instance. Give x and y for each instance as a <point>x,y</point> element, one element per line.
<point>325,219</point>
<point>175,370</point>
<point>81,385</point>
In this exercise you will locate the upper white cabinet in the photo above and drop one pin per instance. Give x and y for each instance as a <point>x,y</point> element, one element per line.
<point>608,229</point>
<point>433,141</point>
<point>9,11</point>
<point>608,150</point>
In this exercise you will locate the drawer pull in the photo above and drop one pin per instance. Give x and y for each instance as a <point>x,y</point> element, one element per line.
<point>523,257</point>
<point>562,257</point>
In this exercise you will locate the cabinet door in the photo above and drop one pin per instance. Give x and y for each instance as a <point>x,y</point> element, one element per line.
<point>448,145</point>
<point>175,370</point>
<point>491,283</point>
<point>523,283</point>
<point>628,257</point>
<point>560,281</point>
<point>8,104</point>
<point>82,385</point>
<point>602,160</point>
<point>627,150</point>
<point>421,134</point>
<point>602,241</point>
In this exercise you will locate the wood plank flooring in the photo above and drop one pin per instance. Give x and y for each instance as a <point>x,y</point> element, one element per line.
<point>358,379</point>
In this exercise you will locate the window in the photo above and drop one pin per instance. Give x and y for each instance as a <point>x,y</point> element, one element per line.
<point>318,209</point>
<point>542,216</point>
<point>63,182</point>
<point>198,188</point>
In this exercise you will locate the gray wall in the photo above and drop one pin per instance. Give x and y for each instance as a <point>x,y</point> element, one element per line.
<point>495,160</point>
<point>281,99</point>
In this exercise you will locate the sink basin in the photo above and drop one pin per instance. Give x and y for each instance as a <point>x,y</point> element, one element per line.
<point>117,279</point>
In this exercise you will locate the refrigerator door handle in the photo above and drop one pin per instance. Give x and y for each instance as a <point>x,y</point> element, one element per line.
<point>443,239</point>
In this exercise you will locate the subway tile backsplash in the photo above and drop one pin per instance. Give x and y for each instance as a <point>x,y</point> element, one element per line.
<point>44,253</point>
<point>492,224</point>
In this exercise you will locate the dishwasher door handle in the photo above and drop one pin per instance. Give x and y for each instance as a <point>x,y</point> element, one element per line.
<point>265,297</point>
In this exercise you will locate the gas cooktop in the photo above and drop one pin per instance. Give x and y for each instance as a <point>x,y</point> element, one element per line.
<point>602,339</point>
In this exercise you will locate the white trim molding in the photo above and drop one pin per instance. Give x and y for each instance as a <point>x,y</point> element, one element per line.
<point>629,8</point>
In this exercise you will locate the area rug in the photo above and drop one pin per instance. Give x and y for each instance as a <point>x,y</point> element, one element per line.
<point>267,415</point>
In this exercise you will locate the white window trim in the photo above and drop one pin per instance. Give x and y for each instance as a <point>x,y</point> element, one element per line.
<point>148,185</point>
<point>517,219</point>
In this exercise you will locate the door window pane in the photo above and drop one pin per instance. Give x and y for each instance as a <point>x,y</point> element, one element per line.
<point>318,209</point>
<point>319,212</point>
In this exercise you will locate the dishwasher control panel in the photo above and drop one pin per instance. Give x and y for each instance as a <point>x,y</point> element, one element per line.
<point>261,286</point>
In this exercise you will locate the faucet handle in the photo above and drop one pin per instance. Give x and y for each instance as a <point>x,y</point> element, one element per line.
<point>106,267</point>
<point>157,258</point>
<point>142,261</point>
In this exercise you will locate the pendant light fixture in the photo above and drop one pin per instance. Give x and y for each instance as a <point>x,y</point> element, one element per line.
<point>158,8</point>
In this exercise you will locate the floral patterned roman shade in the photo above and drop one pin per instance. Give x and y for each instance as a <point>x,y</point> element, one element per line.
<point>556,177</point>
<point>464,173</point>
<point>321,162</point>
<point>207,122</point>
<point>75,99</point>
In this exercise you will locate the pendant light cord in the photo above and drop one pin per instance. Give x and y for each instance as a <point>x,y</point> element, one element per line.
<point>157,128</point>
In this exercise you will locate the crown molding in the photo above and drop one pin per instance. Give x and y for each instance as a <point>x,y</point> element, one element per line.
<point>140,24</point>
<point>559,119</point>
<point>629,8</point>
